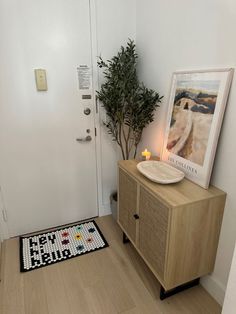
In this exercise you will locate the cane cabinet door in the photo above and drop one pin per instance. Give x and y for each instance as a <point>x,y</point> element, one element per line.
<point>153,225</point>
<point>127,204</point>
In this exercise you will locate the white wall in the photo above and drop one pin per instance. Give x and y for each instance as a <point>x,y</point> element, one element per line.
<point>230,300</point>
<point>115,24</point>
<point>188,34</point>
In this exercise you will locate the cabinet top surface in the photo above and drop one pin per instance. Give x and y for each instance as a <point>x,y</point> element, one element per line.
<point>176,194</point>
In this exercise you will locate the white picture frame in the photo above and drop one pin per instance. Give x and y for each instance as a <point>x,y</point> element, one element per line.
<point>195,113</point>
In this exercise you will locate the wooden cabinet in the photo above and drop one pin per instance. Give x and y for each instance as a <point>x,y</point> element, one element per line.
<point>175,228</point>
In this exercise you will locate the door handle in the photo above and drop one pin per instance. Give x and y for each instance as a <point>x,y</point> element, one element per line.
<point>88,138</point>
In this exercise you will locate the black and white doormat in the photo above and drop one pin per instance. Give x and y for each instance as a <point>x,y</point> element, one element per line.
<point>55,246</point>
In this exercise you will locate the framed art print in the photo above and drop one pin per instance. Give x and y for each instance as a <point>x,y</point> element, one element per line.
<point>195,113</point>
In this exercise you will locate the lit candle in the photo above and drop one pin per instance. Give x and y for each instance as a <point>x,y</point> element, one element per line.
<point>146,155</point>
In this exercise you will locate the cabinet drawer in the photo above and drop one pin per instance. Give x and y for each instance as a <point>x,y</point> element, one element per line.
<point>153,225</point>
<point>127,204</point>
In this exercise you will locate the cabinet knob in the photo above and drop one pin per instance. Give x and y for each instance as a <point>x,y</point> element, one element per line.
<point>136,216</point>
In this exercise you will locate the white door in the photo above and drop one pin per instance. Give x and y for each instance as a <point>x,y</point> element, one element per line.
<point>47,177</point>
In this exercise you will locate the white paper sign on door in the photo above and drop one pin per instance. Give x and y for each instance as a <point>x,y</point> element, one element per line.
<point>84,77</point>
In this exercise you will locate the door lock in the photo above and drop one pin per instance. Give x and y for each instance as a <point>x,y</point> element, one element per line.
<point>136,216</point>
<point>87,111</point>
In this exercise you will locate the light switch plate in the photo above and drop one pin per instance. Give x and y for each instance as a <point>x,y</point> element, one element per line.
<point>41,79</point>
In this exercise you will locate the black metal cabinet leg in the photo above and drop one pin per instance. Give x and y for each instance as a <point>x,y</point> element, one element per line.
<point>162,293</point>
<point>125,239</point>
<point>166,294</point>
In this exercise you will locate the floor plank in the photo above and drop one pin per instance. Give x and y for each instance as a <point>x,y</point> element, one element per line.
<point>34,292</point>
<point>113,280</point>
<point>12,281</point>
<point>57,296</point>
<point>76,294</point>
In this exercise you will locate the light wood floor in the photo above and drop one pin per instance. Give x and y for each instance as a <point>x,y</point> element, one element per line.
<point>112,280</point>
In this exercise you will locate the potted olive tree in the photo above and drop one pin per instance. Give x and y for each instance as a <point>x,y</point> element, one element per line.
<point>129,105</point>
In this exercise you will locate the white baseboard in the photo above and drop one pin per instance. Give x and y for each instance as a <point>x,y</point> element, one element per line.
<point>214,287</point>
<point>104,210</point>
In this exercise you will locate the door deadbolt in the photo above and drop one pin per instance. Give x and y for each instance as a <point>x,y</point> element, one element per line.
<point>87,111</point>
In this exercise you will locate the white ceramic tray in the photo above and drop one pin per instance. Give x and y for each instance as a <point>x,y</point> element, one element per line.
<point>160,172</point>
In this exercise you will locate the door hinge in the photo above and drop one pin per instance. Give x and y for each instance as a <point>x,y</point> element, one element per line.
<point>96,103</point>
<point>4,215</point>
<point>95,131</point>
